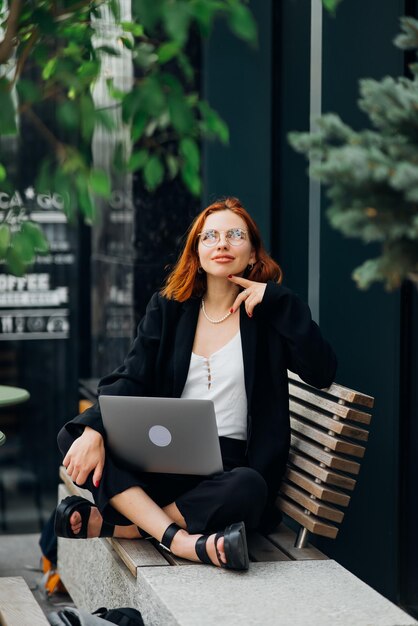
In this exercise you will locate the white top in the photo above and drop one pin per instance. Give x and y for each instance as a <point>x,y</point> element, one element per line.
<point>220,378</point>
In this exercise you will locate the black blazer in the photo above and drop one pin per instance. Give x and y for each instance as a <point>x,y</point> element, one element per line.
<point>281,335</point>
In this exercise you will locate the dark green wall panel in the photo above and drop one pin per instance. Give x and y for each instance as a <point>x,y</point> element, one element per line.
<point>291,85</point>
<point>237,83</point>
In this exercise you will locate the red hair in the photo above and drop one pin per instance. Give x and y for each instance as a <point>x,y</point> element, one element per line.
<point>185,281</point>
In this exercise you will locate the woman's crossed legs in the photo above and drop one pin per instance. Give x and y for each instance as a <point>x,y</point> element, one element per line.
<point>202,506</point>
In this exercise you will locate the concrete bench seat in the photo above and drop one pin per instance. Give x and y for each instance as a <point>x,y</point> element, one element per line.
<point>285,585</point>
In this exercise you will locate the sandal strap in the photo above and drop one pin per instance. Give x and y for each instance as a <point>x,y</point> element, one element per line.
<point>107,529</point>
<point>217,537</point>
<point>168,536</point>
<point>201,550</point>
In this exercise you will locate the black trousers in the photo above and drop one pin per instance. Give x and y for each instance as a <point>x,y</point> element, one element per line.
<point>207,503</point>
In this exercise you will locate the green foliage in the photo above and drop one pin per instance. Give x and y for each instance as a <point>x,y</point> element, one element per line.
<point>164,116</point>
<point>331,5</point>
<point>371,176</point>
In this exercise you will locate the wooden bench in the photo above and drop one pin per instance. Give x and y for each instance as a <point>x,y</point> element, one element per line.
<point>289,581</point>
<point>18,606</point>
<point>327,442</point>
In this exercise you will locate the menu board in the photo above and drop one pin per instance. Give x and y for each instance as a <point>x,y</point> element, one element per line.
<point>36,305</point>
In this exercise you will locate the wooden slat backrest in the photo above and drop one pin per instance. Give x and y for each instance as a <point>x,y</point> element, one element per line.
<point>327,442</point>
<point>340,392</point>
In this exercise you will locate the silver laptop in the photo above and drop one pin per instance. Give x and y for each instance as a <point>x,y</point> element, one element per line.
<point>171,435</point>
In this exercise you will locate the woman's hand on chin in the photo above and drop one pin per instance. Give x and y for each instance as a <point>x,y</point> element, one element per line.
<point>87,454</point>
<point>251,296</point>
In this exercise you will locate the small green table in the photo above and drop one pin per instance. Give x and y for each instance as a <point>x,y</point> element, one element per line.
<point>10,396</point>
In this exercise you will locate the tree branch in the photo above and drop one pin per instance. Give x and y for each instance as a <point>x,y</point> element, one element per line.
<point>8,43</point>
<point>58,147</point>
<point>23,57</point>
<point>84,4</point>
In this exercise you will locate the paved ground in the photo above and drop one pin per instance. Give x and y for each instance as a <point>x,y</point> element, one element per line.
<point>20,555</point>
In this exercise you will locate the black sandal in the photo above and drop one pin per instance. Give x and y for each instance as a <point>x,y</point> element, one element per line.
<point>64,511</point>
<point>235,546</point>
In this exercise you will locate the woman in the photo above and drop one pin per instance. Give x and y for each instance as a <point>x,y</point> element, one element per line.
<point>223,328</point>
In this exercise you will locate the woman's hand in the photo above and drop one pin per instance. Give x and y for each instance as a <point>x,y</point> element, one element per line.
<point>86,454</point>
<point>251,296</point>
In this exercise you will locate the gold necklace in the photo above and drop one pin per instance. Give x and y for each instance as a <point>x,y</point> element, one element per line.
<point>210,319</point>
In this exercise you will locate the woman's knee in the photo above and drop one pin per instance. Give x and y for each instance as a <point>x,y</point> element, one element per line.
<point>249,492</point>
<point>250,481</point>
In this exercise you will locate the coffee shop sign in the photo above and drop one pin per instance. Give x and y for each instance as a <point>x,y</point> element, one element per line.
<point>43,200</point>
<point>118,200</point>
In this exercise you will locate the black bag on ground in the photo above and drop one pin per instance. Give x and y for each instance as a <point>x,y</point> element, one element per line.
<point>123,616</point>
<point>70,616</point>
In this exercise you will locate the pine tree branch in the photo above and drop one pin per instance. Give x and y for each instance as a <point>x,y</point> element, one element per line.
<point>9,40</point>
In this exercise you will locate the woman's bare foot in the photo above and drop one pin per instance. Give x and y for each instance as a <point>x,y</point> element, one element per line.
<point>95,524</point>
<point>183,545</point>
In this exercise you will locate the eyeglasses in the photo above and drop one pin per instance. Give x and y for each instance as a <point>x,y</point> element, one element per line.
<point>234,236</point>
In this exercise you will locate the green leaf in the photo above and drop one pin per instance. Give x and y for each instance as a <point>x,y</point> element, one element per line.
<point>190,152</point>
<point>180,114</point>
<point>104,119</point>
<point>331,5</point>
<point>3,173</point>
<point>22,245</point>
<point>213,123</point>
<point>151,97</point>
<point>130,27</point>
<point>43,181</point>
<point>89,70</point>
<point>4,239</point>
<point>28,91</point>
<point>173,166</point>
<point>145,56</point>
<point>115,9</point>
<point>139,123</point>
<point>68,114</point>
<point>7,115</point>
<point>127,42</point>
<point>84,197</point>
<point>119,160</point>
<point>63,184</point>
<point>242,23</point>
<point>191,179</point>
<point>130,104</point>
<point>15,264</point>
<point>87,117</point>
<point>36,235</point>
<point>176,18</point>
<point>148,12</point>
<point>203,12</point>
<point>168,51</point>
<point>99,183</point>
<point>153,173</point>
<point>49,68</point>
<point>137,160</point>
<point>185,66</point>
<point>110,50</point>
